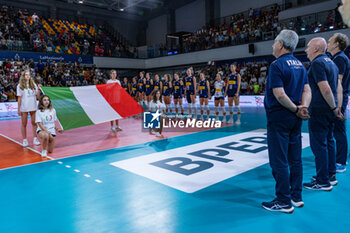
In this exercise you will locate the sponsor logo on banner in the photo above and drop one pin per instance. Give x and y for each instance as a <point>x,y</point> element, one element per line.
<point>197,166</point>
<point>11,107</point>
<point>259,101</point>
<point>151,120</point>
<point>43,56</point>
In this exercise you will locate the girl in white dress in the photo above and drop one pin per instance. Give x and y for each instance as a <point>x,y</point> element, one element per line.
<point>45,117</point>
<point>27,92</point>
<point>157,104</point>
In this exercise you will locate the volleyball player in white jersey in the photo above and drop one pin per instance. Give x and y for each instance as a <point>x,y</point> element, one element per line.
<point>28,93</point>
<point>113,76</point>
<point>45,117</point>
<point>219,86</point>
<point>204,94</point>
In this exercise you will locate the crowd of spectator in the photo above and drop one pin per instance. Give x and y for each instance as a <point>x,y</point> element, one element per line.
<point>256,25</point>
<point>11,36</point>
<point>57,74</point>
<point>21,31</point>
<point>60,74</point>
<point>242,29</point>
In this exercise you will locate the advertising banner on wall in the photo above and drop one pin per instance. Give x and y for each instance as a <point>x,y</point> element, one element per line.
<point>45,56</point>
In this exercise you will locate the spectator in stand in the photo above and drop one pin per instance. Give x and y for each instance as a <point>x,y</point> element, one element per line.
<point>35,18</point>
<point>253,80</point>
<point>244,86</point>
<point>261,80</point>
<point>12,96</point>
<point>9,43</point>
<point>97,50</point>
<point>256,88</point>
<point>40,67</point>
<point>86,47</point>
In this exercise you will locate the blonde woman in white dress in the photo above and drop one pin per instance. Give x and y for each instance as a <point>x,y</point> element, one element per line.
<point>28,93</point>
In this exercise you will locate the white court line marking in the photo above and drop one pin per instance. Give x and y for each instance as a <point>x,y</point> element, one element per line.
<point>59,162</point>
<point>25,147</point>
<point>116,148</point>
<point>76,170</point>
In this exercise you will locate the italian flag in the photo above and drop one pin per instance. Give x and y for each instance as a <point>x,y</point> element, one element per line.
<point>88,105</point>
<point>4,96</point>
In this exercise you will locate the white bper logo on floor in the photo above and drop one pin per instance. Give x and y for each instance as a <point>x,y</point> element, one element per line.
<point>192,168</point>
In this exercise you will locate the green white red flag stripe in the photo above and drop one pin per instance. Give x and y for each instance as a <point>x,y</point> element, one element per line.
<point>82,106</point>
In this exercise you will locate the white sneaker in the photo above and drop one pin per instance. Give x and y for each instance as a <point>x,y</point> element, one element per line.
<point>43,154</point>
<point>230,121</point>
<point>224,119</point>
<point>297,203</point>
<point>25,142</point>
<point>36,141</point>
<point>118,128</point>
<point>113,129</point>
<point>158,134</point>
<point>238,122</point>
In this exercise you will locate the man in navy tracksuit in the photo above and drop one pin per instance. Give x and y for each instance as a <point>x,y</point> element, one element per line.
<point>287,97</point>
<point>336,46</point>
<point>323,79</point>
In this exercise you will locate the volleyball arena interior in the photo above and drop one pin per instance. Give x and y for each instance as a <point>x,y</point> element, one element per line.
<point>174,116</point>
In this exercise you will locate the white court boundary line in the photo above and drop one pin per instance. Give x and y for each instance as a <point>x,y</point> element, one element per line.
<point>13,140</point>
<point>78,155</point>
<point>67,166</point>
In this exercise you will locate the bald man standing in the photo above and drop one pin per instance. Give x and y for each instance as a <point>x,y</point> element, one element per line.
<point>323,80</point>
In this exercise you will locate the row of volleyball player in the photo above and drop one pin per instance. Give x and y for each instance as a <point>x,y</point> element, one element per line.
<point>143,87</point>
